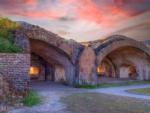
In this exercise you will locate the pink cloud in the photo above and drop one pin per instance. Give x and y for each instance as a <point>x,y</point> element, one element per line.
<point>105,13</point>
<point>30,2</point>
<point>88,10</point>
<point>47,14</point>
<point>66,1</point>
<point>122,2</point>
<point>28,8</point>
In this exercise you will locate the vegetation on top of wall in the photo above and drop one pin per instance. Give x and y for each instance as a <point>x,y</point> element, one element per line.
<point>7,44</point>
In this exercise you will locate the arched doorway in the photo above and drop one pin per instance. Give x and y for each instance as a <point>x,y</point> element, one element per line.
<point>130,58</point>
<point>127,62</point>
<point>41,70</point>
<point>106,69</point>
<point>128,71</point>
<point>50,63</point>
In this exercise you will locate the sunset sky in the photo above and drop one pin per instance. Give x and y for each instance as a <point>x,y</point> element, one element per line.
<point>83,20</point>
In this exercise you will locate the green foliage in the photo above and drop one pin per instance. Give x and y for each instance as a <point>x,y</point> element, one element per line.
<point>127,83</point>
<point>5,23</point>
<point>86,86</point>
<point>105,85</point>
<point>6,36</point>
<point>32,99</point>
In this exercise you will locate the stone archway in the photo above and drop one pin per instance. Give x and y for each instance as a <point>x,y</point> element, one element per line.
<point>106,69</point>
<point>55,57</point>
<point>117,41</point>
<point>27,31</point>
<point>40,69</point>
<point>53,49</point>
<point>124,54</point>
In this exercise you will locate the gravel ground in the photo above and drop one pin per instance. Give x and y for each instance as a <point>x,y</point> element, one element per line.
<point>53,92</point>
<point>104,103</point>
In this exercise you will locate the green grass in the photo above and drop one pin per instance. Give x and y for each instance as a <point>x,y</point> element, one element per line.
<point>32,99</point>
<point>145,91</point>
<point>102,103</point>
<point>105,85</point>
<point>7,44</point>
<point>86,86</point>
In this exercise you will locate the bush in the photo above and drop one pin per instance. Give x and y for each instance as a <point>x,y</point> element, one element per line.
<point>7,44</point>
<point>32,99</point>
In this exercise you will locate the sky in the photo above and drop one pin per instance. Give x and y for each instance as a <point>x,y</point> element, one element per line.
<point>83,20</point>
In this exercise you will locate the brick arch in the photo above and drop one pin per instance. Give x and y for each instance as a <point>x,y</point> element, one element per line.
<point>28,31</point>
<point>69,49</point>
<point>54,56</point>
<point>118,41</point>
<point>46,36</point>
<point>60,51</point>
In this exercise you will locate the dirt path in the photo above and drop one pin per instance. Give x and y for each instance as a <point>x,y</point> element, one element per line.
<point>53,92</point>
<point>122,91</point>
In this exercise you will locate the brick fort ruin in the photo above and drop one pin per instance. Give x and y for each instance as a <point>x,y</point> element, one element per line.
<point>48,57</point>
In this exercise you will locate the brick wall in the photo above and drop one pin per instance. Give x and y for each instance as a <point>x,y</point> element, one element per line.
<point>15,68</point>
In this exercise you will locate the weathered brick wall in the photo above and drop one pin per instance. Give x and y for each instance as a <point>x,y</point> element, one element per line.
<point>8,96</point>
<point>15,68</point>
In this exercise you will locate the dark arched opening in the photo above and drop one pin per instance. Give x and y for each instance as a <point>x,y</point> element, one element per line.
<point>125,62</point>
<point>53,63</point>
<point>44,71</point>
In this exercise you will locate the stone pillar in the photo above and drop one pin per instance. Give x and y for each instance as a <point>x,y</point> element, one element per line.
<point>70,74</point>
<point>87,67</point>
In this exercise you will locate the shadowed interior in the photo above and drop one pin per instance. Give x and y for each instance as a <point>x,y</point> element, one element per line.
<point>54,61</point>
<point>126,62</point>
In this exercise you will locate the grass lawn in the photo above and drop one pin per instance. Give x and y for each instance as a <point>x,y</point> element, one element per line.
<point>32,99</point>
<point>104,85</point>
<point>145,91</point>
<point>102,103</point>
